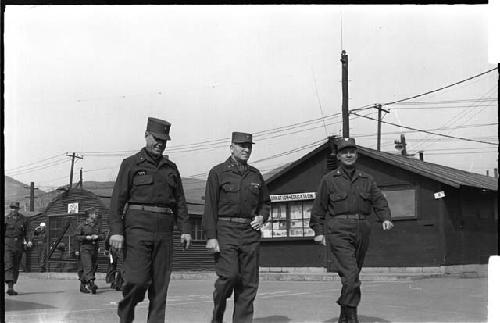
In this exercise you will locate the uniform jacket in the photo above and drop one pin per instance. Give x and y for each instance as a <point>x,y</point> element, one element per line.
<point>16,230</point>
<point>339,194</point>
<point>229,193</point>
<point>142,181</point>
<point>40,235</point>
<point>87,229</point>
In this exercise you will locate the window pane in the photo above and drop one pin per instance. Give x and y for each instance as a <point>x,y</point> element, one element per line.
<point>401,203</point>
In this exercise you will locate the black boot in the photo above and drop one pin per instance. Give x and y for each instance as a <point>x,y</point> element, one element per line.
<point>10,290</point>
<point>93,287</point>
<point>83,287</point>
<point>342,317</point>
<point>351,314</point>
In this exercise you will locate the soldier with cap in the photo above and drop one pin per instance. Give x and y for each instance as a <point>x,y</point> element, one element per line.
<point>41,239</point>
<point>150,184</point>
<point>16,236</point>
<point>346,197</point>
<point>237,204</point>
<point>88,235</point>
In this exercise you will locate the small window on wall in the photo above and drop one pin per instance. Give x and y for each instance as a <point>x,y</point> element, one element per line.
<point>197,232</point>
<point>402,203</point>
<point>289,220</point>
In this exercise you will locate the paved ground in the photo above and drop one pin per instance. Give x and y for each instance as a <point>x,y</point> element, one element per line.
<point>421,300</point>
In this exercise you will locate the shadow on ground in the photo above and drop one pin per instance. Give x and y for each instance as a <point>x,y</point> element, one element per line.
<point>362,318</point>
<point>40,293</point>
<point>272,319</point>
<point>15,305</point>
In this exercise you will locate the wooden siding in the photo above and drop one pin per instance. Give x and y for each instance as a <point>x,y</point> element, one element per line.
<point>471,226</point>
<point>292,253</point>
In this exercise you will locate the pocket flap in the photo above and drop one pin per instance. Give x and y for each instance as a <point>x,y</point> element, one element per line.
<point>143,180</point>
<point>338,196</point>
<point>230,187</point>
<point>364,195</point>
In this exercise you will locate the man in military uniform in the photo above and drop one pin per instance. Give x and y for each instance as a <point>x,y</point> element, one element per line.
<point>345,198</point>
<point>88,234</point>
<point>151,186</point>
<point>236,206</point>
<point>41,237</point>
<point>16,236</point>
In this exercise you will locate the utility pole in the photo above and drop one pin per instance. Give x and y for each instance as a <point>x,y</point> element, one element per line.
<point>32,189</point>
<point>379,123</point>
<point>73,156</point>
<point>345,95</point>
<point>32,196</point>
<point>81,178</point>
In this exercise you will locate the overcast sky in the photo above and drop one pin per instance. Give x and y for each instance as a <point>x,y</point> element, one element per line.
<point>84,79</point>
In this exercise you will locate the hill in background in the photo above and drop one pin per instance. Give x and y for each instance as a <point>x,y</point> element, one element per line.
<point>16,191</point>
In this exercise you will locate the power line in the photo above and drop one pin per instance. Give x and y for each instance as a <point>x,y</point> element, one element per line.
<point>33,163</point>
<point>426,131</point>
<point>442,88</point>
<point>448,107</point>
<point>449,101</point>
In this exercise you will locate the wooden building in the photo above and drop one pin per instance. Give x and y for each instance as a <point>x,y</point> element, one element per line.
<point>61,217</point>
<point>68,208</point>
<point>443,216</point>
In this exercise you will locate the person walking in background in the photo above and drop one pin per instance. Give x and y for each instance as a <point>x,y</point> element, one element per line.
<point>151,187</point>
<point>16,237</point>
<point>237,204</point>
<point>41,242</point>
<point>88,235</point>
<point>345,198</point>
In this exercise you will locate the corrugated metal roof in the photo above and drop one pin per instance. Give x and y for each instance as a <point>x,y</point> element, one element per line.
<point>444,174</point>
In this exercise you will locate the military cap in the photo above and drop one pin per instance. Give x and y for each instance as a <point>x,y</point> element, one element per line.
<point>345,142</point>
<point>241,137</point>
<point>159,128</point>
<point>14,205</point>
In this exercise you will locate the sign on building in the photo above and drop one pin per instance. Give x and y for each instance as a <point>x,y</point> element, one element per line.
<point>293,197</point>
<point>73,207</point>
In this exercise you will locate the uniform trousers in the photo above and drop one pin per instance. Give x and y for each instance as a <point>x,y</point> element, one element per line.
<point>348,240</point>
<point>13,254</point>
<point>237,269</point>
<point>147,263</point>
<point>88,260</point>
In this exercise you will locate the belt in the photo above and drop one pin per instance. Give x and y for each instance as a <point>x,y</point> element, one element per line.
<point>151,208</point>
<point>235,219</point>
<point>351,216</point>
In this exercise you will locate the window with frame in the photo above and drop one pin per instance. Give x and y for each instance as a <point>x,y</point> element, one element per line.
<point>402,202</point>
<point>289,220</point>
<point>197,232</point>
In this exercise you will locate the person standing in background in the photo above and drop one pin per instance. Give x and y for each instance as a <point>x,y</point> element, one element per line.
<point>88,235</point>
<point>16,237</point>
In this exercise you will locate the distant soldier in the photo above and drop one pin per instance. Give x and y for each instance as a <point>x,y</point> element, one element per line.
<point>88,235</point>
<point>346,197</point>
<point>236,207</point>
<point>16,236</point>
<point>41,242</point>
